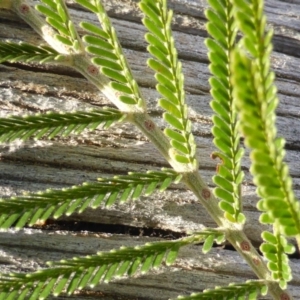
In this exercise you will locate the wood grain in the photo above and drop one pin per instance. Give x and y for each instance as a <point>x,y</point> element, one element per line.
<point>63,162</point>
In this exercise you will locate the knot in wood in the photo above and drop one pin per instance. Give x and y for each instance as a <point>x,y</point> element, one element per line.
<point>24,9</point>
<point>245,246</point>
<point>93,70</point>
<point>205,193</point>
<point>149,125</point>
<point>284,296</point>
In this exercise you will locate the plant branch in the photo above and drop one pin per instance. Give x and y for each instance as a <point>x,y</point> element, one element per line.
<point>138,116</point>
<point>235,235</point>
<point>6,4</point>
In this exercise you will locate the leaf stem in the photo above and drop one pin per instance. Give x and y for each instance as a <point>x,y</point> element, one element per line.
<point>234,232</point>
<point>83,65</point>
<point>235,235</point>
<point>5,4</point>
<point>25,10</point>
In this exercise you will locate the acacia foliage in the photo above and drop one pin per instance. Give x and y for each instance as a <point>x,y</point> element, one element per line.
<point>244,103</point>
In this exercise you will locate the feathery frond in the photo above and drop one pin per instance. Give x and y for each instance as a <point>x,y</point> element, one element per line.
<point>24,52</point>
<point>222,27</point>
<point>213,235</point>
<point>53,124</point>
<point>246,291</point>
<point>58,17</point>
<point>107,54</point>
<point>30,208</point>
<point>275,249</point>
<point>256,99</point>
<point>70,275</point>
<point>241,81</point>
<point>168,73</point>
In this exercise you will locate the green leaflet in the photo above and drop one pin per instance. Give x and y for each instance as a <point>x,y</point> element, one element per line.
<point>221,26</point>
<point>115,75</point>
<point>172,108</point>
<point>55,203</point>
<point>101,52</point>
<point>107,53</point>
<point>275,249</point>
<point>58,17</point>
<point>80,272</point>
<point>99,42</point>
<point>256,100</point>
<point>156,42</point>
<point>94,29</point>
<point>208,244</point>
<point>24,52</point>
<point>49,13</point>
<point>58,26</point>
<point>249,289</point>
<point>123,88</point>
<point>172,255</point>
<point>169,74</point>
<point>87,4</point>
<point>53,124</point>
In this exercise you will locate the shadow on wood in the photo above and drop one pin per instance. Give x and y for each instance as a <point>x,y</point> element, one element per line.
<point>63,162</point>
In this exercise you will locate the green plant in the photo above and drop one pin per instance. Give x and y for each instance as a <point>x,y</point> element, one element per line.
<point>244,103</point>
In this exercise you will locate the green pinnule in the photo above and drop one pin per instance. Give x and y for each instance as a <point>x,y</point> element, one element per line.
<point>244,100</point>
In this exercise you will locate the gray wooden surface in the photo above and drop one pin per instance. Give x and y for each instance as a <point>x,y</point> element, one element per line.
<point>63,162</point>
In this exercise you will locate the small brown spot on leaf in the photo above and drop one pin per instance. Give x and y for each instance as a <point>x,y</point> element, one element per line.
<point>245,246</point>
<point>256,261</point>
<point>149,125</point>
<point>214,155</point>
<point>24,9</point>
<point>205,193</point>
<point>284,296</point>
<point>93,70</point>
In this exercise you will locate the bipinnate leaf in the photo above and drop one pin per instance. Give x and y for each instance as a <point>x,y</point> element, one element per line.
<point>256,99</point>
<point>211,235</point>
<point>248,290</point>
<point>275,249</point>
<point>80,272</point>
<point>222,28</point>
<point>107,54</point>
<point>42,205</point>
<point>168,72</point>
<point>53,124</point>
<point>208,244</point>
<point>58,17</point>
<point>24,52</point>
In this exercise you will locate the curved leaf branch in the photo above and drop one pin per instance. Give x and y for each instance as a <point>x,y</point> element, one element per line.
<point>69,275</point>
<point>168,73</point>
<point>256,99</point>
<point>267,175</point>
<point>58,17</point>
<point>53,124</point>
<point>275,249</point>
<point>24,52</point>
<point>222,27</point>
<point>248,290</point>
<point>30,208</point>
<point>107,53</point>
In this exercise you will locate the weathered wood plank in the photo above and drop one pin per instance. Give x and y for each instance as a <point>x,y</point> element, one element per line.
<point>34,166</point>
<point>29,249</point>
